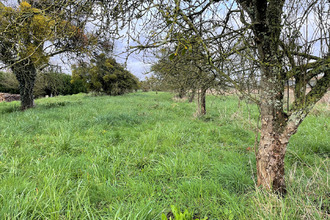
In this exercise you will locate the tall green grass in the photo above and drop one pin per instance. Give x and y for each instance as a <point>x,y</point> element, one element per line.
<point>133,156</point>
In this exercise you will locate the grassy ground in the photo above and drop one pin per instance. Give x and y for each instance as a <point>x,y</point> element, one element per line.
<point>133,156</point>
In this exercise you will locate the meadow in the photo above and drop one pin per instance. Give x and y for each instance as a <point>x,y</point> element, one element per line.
<point>134,156</point>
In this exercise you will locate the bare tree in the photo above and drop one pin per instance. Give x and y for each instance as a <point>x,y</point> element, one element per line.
<point>186,72</point>
<point>272,35</point>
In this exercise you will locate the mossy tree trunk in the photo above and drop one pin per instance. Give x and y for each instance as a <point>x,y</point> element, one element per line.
<point>278,126</point>
<point>26,74</point>
<point>192,95</point>
<point>273,143</point>
<point>273,140</point>
<point>203,101</point>
<point>182,92</point>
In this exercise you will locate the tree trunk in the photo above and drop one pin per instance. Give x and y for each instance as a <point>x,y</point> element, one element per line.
<point>272,147</point>
<point>278,127</point>
<point>203,101</point>
<point>182,93</point>
<point>270,158</point>
<point>192,95</point>
<point>26,73</point>
<point>273,137</point>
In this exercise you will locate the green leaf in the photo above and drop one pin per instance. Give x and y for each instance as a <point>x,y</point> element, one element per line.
<point>169,22</point>
<point>172,56</point>
<point>190,48</point>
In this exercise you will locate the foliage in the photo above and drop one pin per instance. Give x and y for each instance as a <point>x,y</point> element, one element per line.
<point>177,215</point>
<point>8,83</point>
<point>183,69</point>
<point>25,31</point>
<point>104,74</point>
<point>186,71</point>
<point>47,83</point>
<point>127,157</point>
<point>53,84</point>
<point>152,83</point>
<point>29,36</point>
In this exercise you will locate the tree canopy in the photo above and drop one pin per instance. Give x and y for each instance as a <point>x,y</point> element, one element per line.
<point>185,72</point>
<point>29,36</point>
<point>29,33</point>
<point>104,74</point>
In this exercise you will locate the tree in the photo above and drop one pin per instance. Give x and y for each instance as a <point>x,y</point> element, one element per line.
<point>47,82</point>
<point>54,83</point>
<point>272,33</point>
<point>153,83</point>
<point>104,74</point>
<point>172,73</point>
<point>185,72</point>
<point>30,36</point>
<point>277,125</point>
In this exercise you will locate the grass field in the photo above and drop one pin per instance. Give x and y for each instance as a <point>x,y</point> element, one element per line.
<point>133,156</point>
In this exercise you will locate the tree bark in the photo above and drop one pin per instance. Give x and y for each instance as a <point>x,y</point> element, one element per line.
<point>192,95</point>
<point>26,73</point>
<point>277,127</point>
<point>182,93</point>
<point>266,16</point>
<point>270,158</point>
<point>203,101</point>
<point>273,137</point>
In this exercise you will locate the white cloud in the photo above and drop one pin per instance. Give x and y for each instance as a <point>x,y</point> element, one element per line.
<point>138,68</point>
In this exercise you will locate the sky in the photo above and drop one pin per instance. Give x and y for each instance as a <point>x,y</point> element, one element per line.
<point>134,63</point>
<point>137,63</point>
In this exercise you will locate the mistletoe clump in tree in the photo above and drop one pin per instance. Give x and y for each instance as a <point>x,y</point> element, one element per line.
<point>29,36</point>
<point>105,75</point>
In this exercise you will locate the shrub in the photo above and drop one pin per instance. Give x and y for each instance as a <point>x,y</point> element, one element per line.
<point>105,75</point>
<point>8,83</point>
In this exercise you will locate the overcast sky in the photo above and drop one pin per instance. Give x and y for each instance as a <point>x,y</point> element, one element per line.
<point>135,64</point>
<point>138,66</point>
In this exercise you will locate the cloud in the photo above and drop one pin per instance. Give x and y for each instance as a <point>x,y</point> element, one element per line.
<point>137,63</point>
<point>133,63</point>
<point>138,68</point>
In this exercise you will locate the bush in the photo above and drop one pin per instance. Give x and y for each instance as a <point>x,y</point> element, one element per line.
<point>8,83</point>
<point>105,75</point>
<point>47,83</point>
<point>53,84</point>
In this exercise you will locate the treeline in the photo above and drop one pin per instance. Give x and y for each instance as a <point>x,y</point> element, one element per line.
<point>47,83</point>
<point>184,71</point>
<point>102,75</point>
